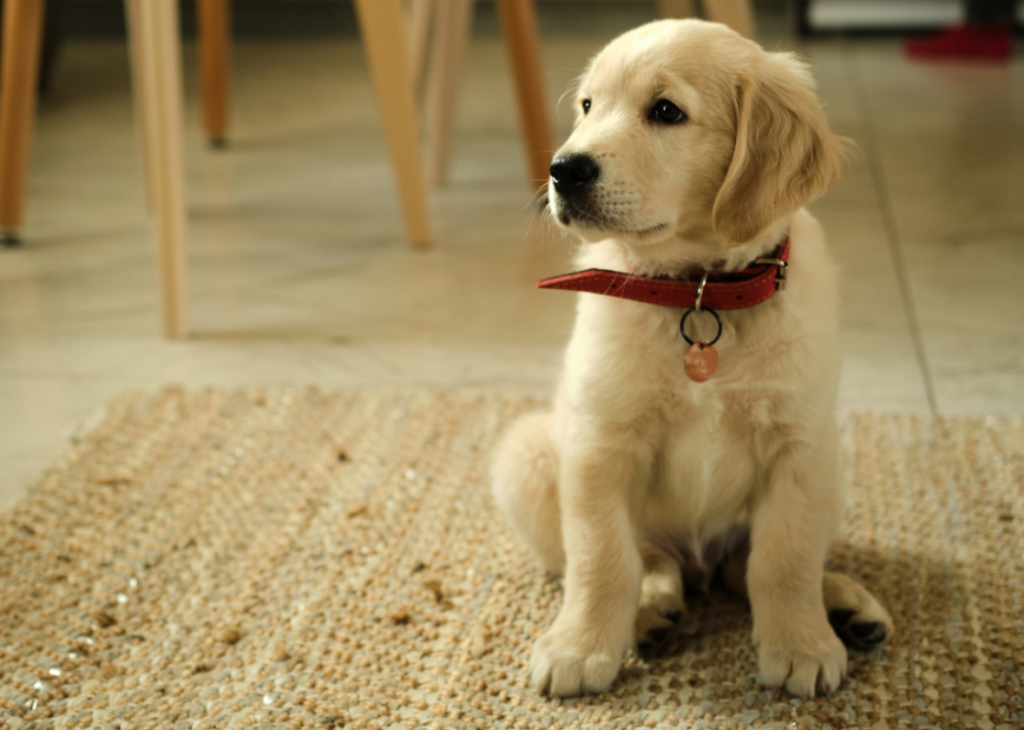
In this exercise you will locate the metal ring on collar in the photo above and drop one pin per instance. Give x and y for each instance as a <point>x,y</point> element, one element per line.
<point>682,325</point>
<point>700,291</point>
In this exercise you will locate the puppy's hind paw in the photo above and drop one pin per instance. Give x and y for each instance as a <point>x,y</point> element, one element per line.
<point>857,630</point>
<point>661,603</point>
<point>652,627</point>
<point>655,619</point>
<point>855,615</point>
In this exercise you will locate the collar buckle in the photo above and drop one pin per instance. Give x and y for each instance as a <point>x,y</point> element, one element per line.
<point>780,275</point>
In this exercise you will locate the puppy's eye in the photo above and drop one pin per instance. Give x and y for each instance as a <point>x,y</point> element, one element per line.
<point>666,112</point>
<point>586,105</point>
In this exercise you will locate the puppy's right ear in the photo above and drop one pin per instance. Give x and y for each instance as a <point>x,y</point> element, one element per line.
<point>785,153</point>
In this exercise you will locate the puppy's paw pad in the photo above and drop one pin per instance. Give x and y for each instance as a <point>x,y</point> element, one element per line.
<point>653,626</point>
<point>856,616</point>
<point>856,630</point>
<point>659,612</point>
<point>652,638</point>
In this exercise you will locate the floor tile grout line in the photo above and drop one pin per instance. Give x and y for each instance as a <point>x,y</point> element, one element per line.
<point>895,243</point>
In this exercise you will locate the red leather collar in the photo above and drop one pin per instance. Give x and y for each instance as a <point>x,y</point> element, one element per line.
<point>729,290</point>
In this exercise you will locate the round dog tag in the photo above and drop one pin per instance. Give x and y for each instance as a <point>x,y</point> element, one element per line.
<point>701,361</point>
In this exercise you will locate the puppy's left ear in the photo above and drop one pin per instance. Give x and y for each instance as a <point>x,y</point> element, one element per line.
<point>785,154</point>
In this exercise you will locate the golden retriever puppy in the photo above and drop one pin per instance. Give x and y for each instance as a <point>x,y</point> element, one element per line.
<point>694,151</point>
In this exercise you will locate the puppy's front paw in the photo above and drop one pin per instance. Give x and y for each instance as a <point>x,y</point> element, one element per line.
<point>568,661</point>
<point>806,660</point>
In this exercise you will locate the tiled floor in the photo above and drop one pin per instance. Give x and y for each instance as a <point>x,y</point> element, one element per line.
<point>300,275</point>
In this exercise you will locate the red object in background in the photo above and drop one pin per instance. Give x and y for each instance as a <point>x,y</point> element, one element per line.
<point>963,43</point>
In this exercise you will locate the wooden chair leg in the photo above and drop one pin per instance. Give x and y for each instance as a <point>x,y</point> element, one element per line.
<point>214,26</point>
<point>137,62</point>
<point>452,21</point>
<point>421,13</point>
<point>519,22</point>
<point>381,24</point>
<point>23,27</point>
<point>734,13</point>
<point>158,82</point>
<point>676,9</point>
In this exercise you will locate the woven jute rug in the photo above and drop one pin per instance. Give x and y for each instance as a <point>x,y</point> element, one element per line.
<point>294,559</point>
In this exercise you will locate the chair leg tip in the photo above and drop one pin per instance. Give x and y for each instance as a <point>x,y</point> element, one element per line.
<point>9,239</point>
<point>218,143</point>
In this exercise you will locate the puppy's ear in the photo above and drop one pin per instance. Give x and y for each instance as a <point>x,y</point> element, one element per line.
<point>785,154</point>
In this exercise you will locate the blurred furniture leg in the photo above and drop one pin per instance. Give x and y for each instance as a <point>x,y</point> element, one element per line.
<point>154,25</point>
<point>420,14</point>
<point>734,13</point>
<point>139,90</point>
<point>383,35</point>
<point>451,28</point>
<point>214,26</point>
<point>23,25</point>
<point>519,22</point>
<point>676,9</point>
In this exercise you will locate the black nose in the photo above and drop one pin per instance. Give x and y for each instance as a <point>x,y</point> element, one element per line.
<point>574,174</point>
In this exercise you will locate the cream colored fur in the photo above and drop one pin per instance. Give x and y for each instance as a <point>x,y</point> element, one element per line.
<point>633,448</point>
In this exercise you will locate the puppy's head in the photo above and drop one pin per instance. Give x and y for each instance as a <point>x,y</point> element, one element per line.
<point>686,131</point>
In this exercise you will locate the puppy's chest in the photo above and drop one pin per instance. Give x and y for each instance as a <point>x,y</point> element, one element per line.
<point>704,471</point>
<point>707,462</point>
<point>707,433</point>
